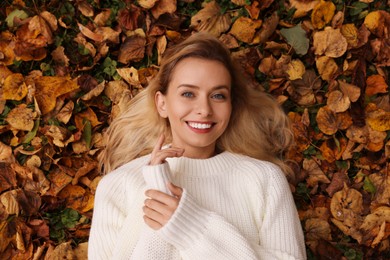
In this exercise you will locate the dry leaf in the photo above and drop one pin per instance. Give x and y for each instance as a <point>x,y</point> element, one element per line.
<point>244,29</point>
<point>376,84</point>
<point>49,88</point>
<point>303,7</point>
<point>62,251</point>
<point>315,174</point>
<point>378,22</point>
<point>347,206</point>
<point>349,90</point>
<point>332,152</point>
<point>327,67</point>
<point>59,56</point>
<point>21,118</point>
<point>58,181</point>
<point>211,19</point>
<point>95,91</point>
<point>66,112</point>
<point>330,42</point>
<point>162,7</point>
<point>133,49</point>
<point>102,18</point>
<point>338,102</point>
<point>350,32</point>
<point>322,14</point>
<point>147,4</point>
<point>253,10</point>
<point>161,46</point>
<point>77,198</point>
<point>295,70</point>
<point>85,8</point>
<point>14,87</point>
<point>374,225</point>
<point>379,120</point>
<point>267,29</point>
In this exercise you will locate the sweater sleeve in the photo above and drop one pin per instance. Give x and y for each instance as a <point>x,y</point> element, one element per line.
<point>202,234</point>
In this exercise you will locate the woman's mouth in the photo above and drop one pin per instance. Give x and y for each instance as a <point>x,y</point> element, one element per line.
<point>200,127</point>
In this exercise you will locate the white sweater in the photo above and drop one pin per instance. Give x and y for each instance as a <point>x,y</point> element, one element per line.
<point>232,207</point>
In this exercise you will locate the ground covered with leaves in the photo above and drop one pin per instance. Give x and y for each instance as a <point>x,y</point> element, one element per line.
<point>68,67</point>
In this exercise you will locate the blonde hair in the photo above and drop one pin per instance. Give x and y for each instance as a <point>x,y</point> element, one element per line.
<point>258,127</point>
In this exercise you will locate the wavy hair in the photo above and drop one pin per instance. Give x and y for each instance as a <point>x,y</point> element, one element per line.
<point>258,127</point>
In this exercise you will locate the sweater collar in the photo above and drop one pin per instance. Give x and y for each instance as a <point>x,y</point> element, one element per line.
<point>215,165</point>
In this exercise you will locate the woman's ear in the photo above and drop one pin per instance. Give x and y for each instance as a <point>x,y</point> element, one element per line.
<point>159,100</point>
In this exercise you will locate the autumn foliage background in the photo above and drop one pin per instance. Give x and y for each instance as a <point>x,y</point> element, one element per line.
<point>67,68</point>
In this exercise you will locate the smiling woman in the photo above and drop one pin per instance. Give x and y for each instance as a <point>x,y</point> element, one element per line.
<point>205,150</point>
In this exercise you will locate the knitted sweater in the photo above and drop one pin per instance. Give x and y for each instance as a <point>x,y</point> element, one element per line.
<point>232,207</point>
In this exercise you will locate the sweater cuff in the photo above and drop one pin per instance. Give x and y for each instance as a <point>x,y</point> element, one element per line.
<point>187,224</point>
<point>157,177</point>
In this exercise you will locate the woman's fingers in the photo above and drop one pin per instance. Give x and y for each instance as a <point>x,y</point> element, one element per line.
<point>160,156</point>
<point>159,144</point>
<point>176,190</point>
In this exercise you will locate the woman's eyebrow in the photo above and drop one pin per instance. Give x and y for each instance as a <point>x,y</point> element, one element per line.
<point>197,87</point>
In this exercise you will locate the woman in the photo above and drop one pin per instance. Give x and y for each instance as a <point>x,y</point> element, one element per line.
<point>216,189</point>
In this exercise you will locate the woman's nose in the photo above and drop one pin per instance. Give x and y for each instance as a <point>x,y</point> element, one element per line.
<point>203,107</point>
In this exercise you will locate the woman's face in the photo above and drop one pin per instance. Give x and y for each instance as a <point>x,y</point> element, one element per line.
<point>197,105</point>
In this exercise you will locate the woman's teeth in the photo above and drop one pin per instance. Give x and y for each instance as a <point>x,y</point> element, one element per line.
<point>199,125</point>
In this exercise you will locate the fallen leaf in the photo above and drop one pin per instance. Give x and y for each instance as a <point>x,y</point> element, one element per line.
<point>14,87</point>
<point>85,8</point>
<point>332,151</point>
<point>376,84</point>
<point>6,155</point>
<point>102,17</point>
<point>316,229</point>
<point>315,174</point>
<point>77,198</point>
<point>21,118</point>
<point>297,38</point>
<point>86,114</point>
<point>49,88</point>
<point>253,9</point>
<point>339,179</point>
<point>350,32</point>
<point>379,120</point>
<point>61,251</point>
<point>133,49</point>
<point>296,70</point>
<point>322,14</point>
<point>58,181</point>
<point>162,7</point>
<point>347,206</point>
<point>211,19</point>
<point>338,102</point>
<point>349,90</point>
<point>147,4</point>
<point>374,225</point>
<point>378,23</point>
<point>327,67</point>
<point>244,29</point>
<point>267,29</point>
<point>329,42</point>
<point>161,46</point>
<point>66,112</point>
<point>302,7</point>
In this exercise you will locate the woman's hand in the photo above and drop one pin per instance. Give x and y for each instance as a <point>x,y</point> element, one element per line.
<point>159,155</point>
<point>159,207</point>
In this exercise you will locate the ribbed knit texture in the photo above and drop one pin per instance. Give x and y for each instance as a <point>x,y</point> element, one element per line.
<point>233,207</point>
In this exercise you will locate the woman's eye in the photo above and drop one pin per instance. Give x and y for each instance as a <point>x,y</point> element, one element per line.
<point>187,94</point>
<point>219,96</point>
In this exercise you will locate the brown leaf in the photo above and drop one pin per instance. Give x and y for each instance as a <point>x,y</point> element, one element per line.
<point>378,22</point>
<point>147,4</point>
<point>59,56</point>
<point>85,8</point>
<point>349,90</point>
<point>376,84</point>
<point>347,206</point>
<point>338,102</point>
<point>49,88</point>
<point>211,19</point>
<point>316,229</point>
<point>21,118</point>
<point>338,181</point>
<point>327,67</point>
<point>303,7</point>
<point>330,42</point>
<point>315,174</point>
<point>7,55</point>
<point>326,120</point>
<point>381,181</point>
<point>6,155</point>
<point>133,49</point>
<point>86,114</point>
<point>102,17</point>
<point>244,29</point>
<point>84,170</point>
<point>58,181</point>
<point>7,177</point>
<point>66,112</point>
<point>374,226</point>
<point>379,120</point>
<point>77,198</point>
<point>296,70</point>
<point>14,87</point>
<point>40,228</point>
<point>322,14</point>
<point>108,34</point>
<point>332,152</point>
<point>62,251</point>
<point>162,7</point>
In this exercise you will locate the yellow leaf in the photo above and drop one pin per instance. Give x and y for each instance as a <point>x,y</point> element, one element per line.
<point>87,114</point>
<point>296,69</point>
<point>350,32</point>
<point>211,19</point>
<point>330,42</point>
<point>378,22</point>
<point>379,120</point>
<point>327,67</point>
<point>49,88</point>
<point>322,14</point>
<point>14,87</point>
<point>303,7</point>
<point>244,29</point>
<point>21,118</point>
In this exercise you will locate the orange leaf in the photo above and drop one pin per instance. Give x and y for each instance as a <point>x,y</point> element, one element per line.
<point>350,32</point>
<point>338,102</point>
<point>327,67</point>
<point>378,22</point>
<point>376,84</point>
<point>87,114</point>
